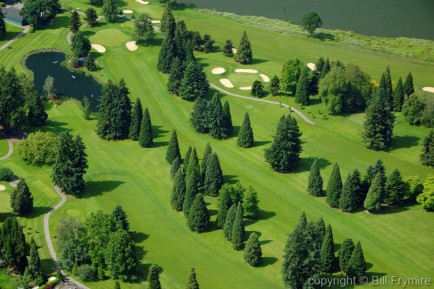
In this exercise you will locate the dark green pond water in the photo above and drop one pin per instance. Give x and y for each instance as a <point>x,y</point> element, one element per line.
<point>391,18</point>
<point>67,83</point>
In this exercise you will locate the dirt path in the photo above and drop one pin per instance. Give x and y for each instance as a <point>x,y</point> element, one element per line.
<point>11,150</point>
<point>299,113</point>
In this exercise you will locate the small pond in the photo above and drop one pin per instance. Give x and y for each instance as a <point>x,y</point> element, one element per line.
<point>67,83</point>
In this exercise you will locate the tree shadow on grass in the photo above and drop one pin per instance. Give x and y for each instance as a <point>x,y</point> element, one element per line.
<point>392,210</point>
<point>48,266</point>
<point>323,36</point>
<point>3,216</point>
<point>235,130</point>
<point>55,127</point>
<point>88,33</point>
<point>404,141</point>
<point>58,22</point>
<point>306,164</point>
<point>258,61</point>
<point>212,212</point>
<point>38,211</point>
<point>160,144</point>
<point>262,216</point>
<point>157,131</point>
<point>261,143</point>
<point>230,179</point>
<point>97,188</point>
<point>267,261</point>
<point>139,236</point>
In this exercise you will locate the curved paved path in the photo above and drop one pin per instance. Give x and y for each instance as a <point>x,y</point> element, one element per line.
<point>299,113</point>
<point>25,31</point>
<point>50,243</point>
<point>11,150</point>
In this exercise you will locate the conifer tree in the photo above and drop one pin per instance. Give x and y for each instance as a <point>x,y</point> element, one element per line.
<point>320,231</point>
<point>2,26</point>
<point>22,199</point>
<point>36,115</point>
<point>109,10</point>
<point>250,203</point>
<point>227,127</point>
<point>80,44</point>
<point>168,48</point>
<point>173,151</point>
<point>374,196</point>
<point>334,187</point>
<point>224,203</point>
<point>388,87</point>
<point>360,193</point>
<point>192,281</point>
<point>194,84</point>
<point>213,175</point>
<point>427,156</point>
<point>408,85</point>
<point>275,86</point>
<point>193,165</point>
<point>145,136</point>
<point>35,269</point>
<point>75,22</point>
<point>178,191</point>
<point>237,235</point>
<point>215,117</point>
<point>302,90</point>
<point>206,154</point>
<point>257,89</point>
<point>252,252</point>
<point>345,253</point>
<point>136,120</point>
<point>398,96</point>
<point>200,116</point>
<point>328,259</point>
<point>357,264</point>
<point>284,154</point>
<point>326,68</point>
<point>348,201</point>
<point>229,222</point>
<point>179,41</point>
<point>198,217</point>
<point>190,192</point>
<point>175,166</point>
<point>186,159</point>
<point>315,182</point>
<point>91,17</point>
<point>120,217</point>
<point>176,76</point>
<point>228,48</point>
<point>154,277</point>
<point>378,127</point>
<point>90,62</point>
<point>245,136</point>
<point>395,189</point>
<point>244,52</point>
<point>167,14</point>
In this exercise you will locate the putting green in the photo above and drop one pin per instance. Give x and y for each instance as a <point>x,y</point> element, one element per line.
<point>109,37</point>
<point>242,79</point>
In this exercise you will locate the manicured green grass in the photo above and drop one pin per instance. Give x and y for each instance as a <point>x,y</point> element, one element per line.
<point>4,147</point>
<point>11,32</point>
<point>138,179</point>
<point>5,280</point>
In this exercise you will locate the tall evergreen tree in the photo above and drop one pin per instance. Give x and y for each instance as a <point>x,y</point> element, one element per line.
<point>427,156</point>
<point>167,16</point>
<point>326,68</point>
<point>244,53</point>
<point>238,231</point>
<point>22,199</point>
<point>224,203</point>
<point>275,86</point>
<point>375,194</point>
<point>245,136</point>
<point>190,192</point>
<point>175,166</point>
<point>36,115</point>
<point>200,116</point>
<point>357,264</point>
<point>154,277</point>
<point>358,187</point>
<point>75,21</point>
<point>227,127</point>
<point>252,252</point>
<point>398,96</point>
<point>35,268</point>
<point>121,217</point>
<point>145,137</point>
<point>80,44</point>
<point>228,48</point>
<point>345,253</point>
<point>109,10</point>
<point>229,222</point>
<point>192,281</point>
<point>257,89</point>
<point>187,158</point>
<point>173,151</point>
<point>334,187</point>
<point>302,90</point>
<point>284,154</point>
<point>215,119</point>
<point>2,26</point>
<point>348,201</point>
<point>206,154</point>
<point>168,48</point>
<point>388,87</point>
<point>91,17</point>
<point>178,191</point>
<point>320,230</point>
<point>193,167</point>
<point>136,120</point>
<point>395,189</point>
<point>176,76</point>
<point>213,175</point>
<point>408,85</point>
<point>14,246</point>
<point>328,259</point>
<point>179,40</point>
<point>378,127</point>
<point>194,84</point>
<point>315,183</point>
<point>198,217</point>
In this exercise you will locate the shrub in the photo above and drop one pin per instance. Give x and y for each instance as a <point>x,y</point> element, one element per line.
<point>86,273</point>
<point>38,148</point>
<point>6,174</point>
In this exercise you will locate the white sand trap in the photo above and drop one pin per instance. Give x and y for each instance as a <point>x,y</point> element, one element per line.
<point>311,66</point>
<point>226,83</point>
<point>234,50</point>
<point>264,77</point>
<point>142,2</point>
<point>131,45</point>
<point>218,70</point>
<point>246,71</point>
<point>245,88</point>
<point>127,11</point>
<point>155,21</point>
<point>99,48</point>
<point>2,188</point>
<point>14,183</point>
<point>428,89</point>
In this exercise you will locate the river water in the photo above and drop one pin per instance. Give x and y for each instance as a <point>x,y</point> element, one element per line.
<point>391,18</point>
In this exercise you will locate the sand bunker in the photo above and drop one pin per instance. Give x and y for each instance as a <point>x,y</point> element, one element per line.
<point>311,66</point>
<point>246,71</point>
<point>99,48</point>
<point>264,77</point>
<point>155,21</point>
<point>218,70</point>
<point>245,88</point>
<point>2,188</point>
<point>131,45</point>
<point>428,89</point>
<point>234,50</point>
<point>14,183</point>
<point>127,11</point>
<point>226,83</point>
<point>142,2</point>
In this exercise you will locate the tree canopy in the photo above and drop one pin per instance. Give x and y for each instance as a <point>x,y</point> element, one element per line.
<point>310,22</point>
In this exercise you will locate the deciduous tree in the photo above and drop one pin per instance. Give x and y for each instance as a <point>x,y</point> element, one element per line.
<point>310,22</point>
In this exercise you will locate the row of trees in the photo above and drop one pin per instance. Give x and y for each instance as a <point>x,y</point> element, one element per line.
<point>310,251</point>
<point>102,243</point>
<point>154,279</point>
<point>20,104</point>
<point>80,42</point>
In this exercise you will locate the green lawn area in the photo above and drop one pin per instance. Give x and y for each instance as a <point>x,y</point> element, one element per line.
<point>5,280</point>
<point>4,147</point>
<point>138,179</point>
<point>11,32</point>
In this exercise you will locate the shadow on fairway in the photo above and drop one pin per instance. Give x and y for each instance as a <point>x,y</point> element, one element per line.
<point>139,236</point>
<point>258,61</point>
<point>39,211</point>
<point>157,131</point>
<point>3,216</point>
<point>230,179</point>
<point>48,265</point>
<point>160,144</point>
<point>404,141</point>
<point>97,188</point>
<point>323,36</point>
<point>306,164</point>
<point>235,131</point>
<point>55,126</point>
<point>262,216</point>
<point>267,261</point>
<point>142,271</point>
<point>261,143</point>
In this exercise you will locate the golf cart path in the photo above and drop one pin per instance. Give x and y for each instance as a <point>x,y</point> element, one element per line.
<point>25,31</point>
<point>11,150</point>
